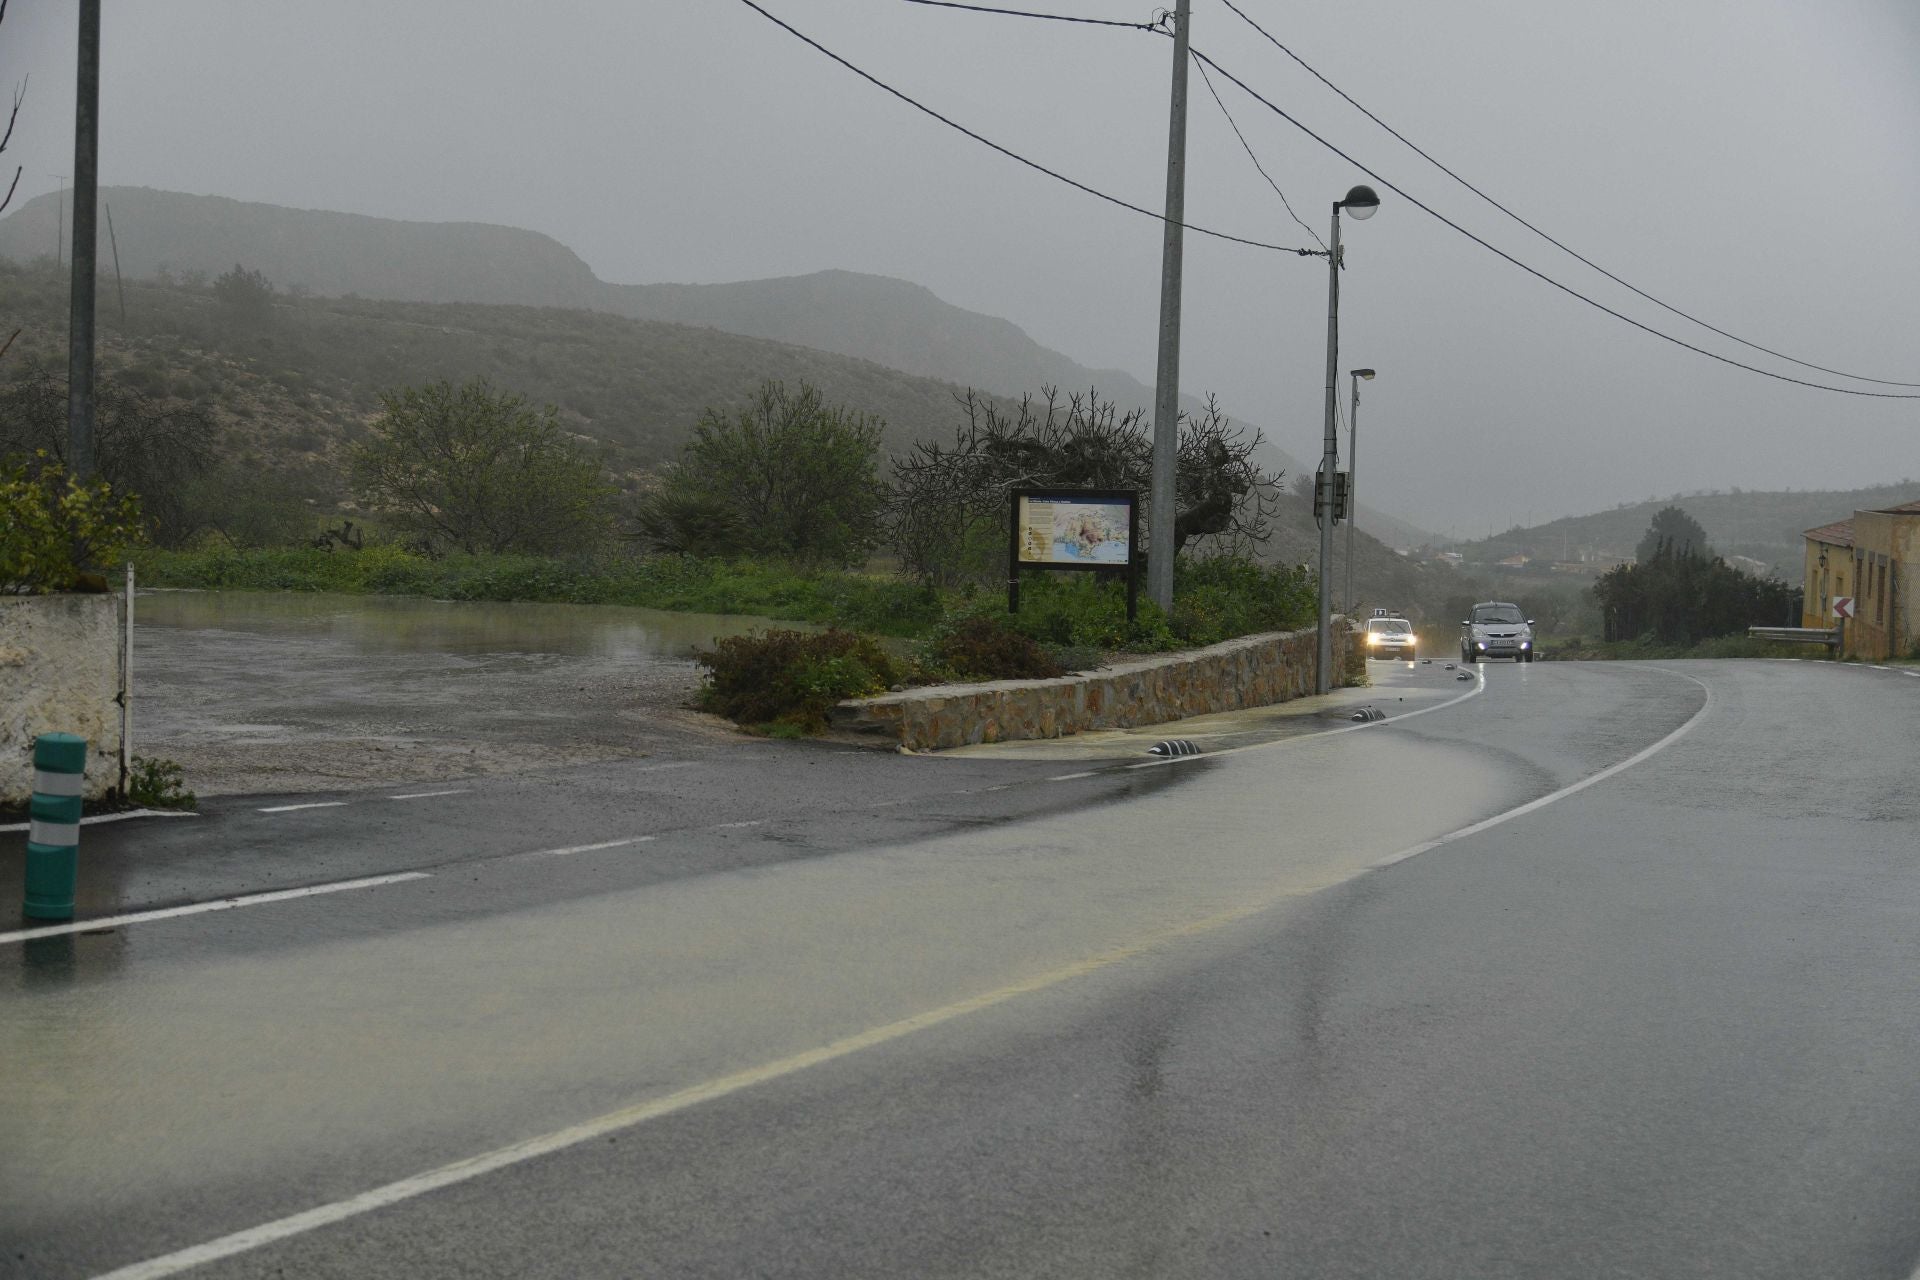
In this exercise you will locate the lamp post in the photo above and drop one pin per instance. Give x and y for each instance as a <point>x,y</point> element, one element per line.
<point>1361,202</point>
<point>1353,474</point>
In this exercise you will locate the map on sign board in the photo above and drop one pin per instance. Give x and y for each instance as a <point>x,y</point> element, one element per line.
<point>1060,529</point>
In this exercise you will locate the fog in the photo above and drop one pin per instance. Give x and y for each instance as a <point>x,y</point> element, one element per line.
<point>1752,162</point>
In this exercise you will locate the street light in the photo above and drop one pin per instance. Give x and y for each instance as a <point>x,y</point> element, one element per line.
<point>1353,473</point>
<point>1361,202</point>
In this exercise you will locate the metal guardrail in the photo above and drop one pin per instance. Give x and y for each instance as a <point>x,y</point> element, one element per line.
<point>1828,636</point>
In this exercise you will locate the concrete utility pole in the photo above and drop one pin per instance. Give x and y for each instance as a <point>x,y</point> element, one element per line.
<point>1362,202</point>
<point>1166,387</point>
<point>86,185</point>
<point>1352,473</point>
<point>1329,464</point>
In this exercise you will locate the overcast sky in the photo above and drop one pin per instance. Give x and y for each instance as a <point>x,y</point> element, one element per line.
<point>1754,162</point>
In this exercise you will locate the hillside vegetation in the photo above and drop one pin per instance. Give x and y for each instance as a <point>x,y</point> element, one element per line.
<point>1763,525</point>
<point>296,383</point>
<point>894,323</point>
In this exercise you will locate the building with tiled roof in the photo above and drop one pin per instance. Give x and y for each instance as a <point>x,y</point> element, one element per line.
<point>1874,558</point>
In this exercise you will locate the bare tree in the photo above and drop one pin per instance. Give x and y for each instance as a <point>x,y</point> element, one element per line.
<point>951,500</point>
<point>19,96</point>
<point>13,117</point>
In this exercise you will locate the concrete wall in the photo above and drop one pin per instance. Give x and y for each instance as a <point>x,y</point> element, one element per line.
<point>1252,671</point>
<point>59,673</point>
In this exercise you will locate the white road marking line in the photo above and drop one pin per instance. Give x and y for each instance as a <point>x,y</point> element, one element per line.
<point>639,1113</point>
<point>91,819</point>
<point>200,908</point>
<point>1588,781</point>
<point>425,795</point>
<point>1155,764</point>
<point>289,808</point>
<point>583,848</point>
<point>735,826</point>
<point>1069,777</point>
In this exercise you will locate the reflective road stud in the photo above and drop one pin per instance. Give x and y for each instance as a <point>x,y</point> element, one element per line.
<point>53,839</point>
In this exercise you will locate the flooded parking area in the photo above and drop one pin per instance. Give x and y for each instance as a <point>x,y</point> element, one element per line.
<point>283,691</point>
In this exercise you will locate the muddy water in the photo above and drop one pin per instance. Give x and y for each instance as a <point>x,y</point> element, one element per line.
<point>272,692</point>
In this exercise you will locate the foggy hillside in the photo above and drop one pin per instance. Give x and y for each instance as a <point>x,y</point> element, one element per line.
<point>1765,526</point>
<point>895,323</point>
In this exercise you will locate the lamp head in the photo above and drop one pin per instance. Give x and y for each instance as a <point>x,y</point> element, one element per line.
<point>1361,202</point>
<point>1364,373</point>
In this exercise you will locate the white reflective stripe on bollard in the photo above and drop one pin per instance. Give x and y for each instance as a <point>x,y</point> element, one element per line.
<point>54,835</point>
<point>58,784</point>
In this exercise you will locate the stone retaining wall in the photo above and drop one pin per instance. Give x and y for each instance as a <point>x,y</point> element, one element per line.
<point>59,673</point>
<point>1251,671</point>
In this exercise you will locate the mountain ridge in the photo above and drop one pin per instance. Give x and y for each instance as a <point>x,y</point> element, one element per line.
<point>899,324</point>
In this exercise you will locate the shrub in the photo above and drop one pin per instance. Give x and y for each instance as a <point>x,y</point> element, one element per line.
<point>53,528</point>
<point>157,783</point>
<point>982,646</point>
<point>1082,610</point>
<point>1220,597</point>
<point>789,680</point>
<point>789,476</point>
<point>481,470</point>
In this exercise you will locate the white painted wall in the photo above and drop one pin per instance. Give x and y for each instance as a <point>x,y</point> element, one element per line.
<point>59,673</point>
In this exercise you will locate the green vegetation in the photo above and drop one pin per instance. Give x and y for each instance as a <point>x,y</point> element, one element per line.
<point>1682,599</point>
<point>876,603</point>
<point>481,470</point>
<point>55,530</point>
<point>983,646</point>
<point>158,783</point>
<point>1673,531</point>
<point>789,476</point>
<point>790,680</point>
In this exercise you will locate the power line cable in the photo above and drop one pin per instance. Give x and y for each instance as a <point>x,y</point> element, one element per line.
<point>1014,155</point>
<point>1251,92</point>
<point>1050,17</point>
<point>1245,146</point>
<point>1564,248</point>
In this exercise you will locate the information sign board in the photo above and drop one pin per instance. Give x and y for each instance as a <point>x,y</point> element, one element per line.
<point>1069,529</point>
<point>1095,529</point>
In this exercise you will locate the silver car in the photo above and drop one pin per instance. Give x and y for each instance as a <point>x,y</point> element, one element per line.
<point>1496,630</point>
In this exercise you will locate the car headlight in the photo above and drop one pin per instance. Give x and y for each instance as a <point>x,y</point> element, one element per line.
<point>1526,644</point>
<point>1479,644</point>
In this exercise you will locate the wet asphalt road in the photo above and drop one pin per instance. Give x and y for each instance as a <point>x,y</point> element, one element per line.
<point>1177,1021</point>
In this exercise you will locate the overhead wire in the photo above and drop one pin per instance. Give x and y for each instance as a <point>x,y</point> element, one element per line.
<point>1556,243</point>
<point>1156,25</point>
<point>1014,155</point>
<point>1248,148</point>
<point>1569,290</point>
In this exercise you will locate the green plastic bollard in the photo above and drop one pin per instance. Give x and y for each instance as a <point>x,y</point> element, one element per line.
<point>53,836</point>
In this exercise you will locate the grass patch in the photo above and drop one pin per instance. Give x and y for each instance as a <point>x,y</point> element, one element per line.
<point>884,606</point>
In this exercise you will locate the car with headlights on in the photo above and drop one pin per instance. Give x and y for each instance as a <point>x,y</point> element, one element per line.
<point>1496,629</point>
<point>1388,637</point>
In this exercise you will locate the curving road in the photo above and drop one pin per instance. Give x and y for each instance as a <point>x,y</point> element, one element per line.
<point>1605,970</point>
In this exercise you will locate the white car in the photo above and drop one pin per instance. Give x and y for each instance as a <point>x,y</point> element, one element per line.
<point>1389,638</point>
<point>1496,630</point>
